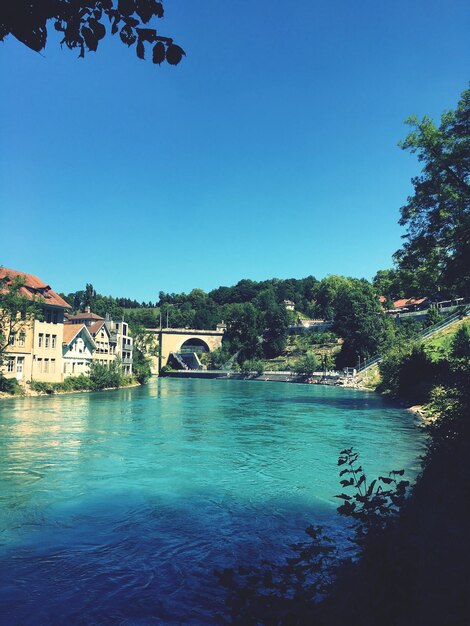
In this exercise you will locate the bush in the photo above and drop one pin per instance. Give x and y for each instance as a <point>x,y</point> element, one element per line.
<point>306,365</point>
<point>76,383</point>
<point>10,385</point>
<point>409,373</point>
<point>102,377</point>
<point>43,387</point>
<point>251,366</point>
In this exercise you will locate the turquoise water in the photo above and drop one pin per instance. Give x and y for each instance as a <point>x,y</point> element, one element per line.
<point>116,507</point>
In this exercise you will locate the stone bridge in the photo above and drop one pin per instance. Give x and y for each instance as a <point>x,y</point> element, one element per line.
<point>168,340</point>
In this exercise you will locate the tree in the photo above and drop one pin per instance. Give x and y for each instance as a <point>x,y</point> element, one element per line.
<point>16,311</point>
<point>360,321</point>
<point>437,215</point>
<point>243,330</point>
<point>306,365</point>
<point>89,297</point>
<point>82,23</point>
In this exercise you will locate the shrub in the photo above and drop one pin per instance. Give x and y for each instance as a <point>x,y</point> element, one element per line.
<point>409,373</point>
<point>102,377</point>
<point>10,385</point>
<point>251,366</point>
<point>306,365</point>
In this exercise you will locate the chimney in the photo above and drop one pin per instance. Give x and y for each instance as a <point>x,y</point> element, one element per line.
<point>87,309</point>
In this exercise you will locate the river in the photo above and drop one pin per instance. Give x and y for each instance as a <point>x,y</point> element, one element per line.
<point>117,506</point>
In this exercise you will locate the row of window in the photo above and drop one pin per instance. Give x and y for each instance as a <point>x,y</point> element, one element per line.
<point>45,366</point>
<point>15,362</point>
<point>47,340</point>
<point>51,317</point>
<point>17,339</point>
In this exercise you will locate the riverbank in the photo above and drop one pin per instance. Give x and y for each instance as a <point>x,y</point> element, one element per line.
<point>330,379</point>
<point>31,393</point>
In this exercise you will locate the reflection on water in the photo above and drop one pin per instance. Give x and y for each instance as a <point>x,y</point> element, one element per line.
<point>118,506</point>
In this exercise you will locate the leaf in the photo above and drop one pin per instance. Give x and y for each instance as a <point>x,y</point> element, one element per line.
<point>158,55</point>
<point>140,49</point>
<point>398,472</point>
<point>347,483</point>
<point>174,54</point>
<point>343,496</point>
<point>360,481</point>
<point>385,480</point>
<point>90,40</point>
<point>158,9</point>
<point>345,471</point>
<point>127,35</point>
<point>98,29</point>
<point>147,34</point>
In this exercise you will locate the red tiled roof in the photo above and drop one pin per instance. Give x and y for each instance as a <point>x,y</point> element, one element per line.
<point>72,330</point>
<point>85,316</point>
<point>33,287</point>
<point>94,328</point>
<point>398,304</point>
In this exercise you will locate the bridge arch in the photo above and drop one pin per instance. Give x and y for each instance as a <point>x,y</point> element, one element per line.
<point>194,344</point>
<point>168,340</point>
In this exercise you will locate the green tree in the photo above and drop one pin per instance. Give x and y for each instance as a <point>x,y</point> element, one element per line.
<point>360,321</point>
<point>243,330</point>
<point>306,365</point>
<point>252,366</point>
<point>276,323</point>
<point>83,25</point>
<point>89,297</point>
<point>16,310</point>
<point>432,316</point>
<point>437,215</point>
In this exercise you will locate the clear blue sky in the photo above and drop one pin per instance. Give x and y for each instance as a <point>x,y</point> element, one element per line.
<point>270,151</point>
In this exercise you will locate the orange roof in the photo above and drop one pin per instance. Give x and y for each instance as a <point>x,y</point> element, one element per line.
<point>398,304</point>
<point>94,328</point>
<point>33,287</point>
<point>72,330</point>
<point>85,316</point>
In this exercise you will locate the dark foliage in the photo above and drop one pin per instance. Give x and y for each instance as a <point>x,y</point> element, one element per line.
<point>437,216</point>
<point>84,23</point>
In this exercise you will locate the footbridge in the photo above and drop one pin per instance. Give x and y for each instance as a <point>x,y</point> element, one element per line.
<point>181,341</point>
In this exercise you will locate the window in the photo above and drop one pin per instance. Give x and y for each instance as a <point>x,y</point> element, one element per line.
<point>48,340</point>
<point>46,366</point>
<point>39,366</point>
<point>55,315</point>
<point>53,366</point>
<point>40,339</point>
<point>11,364</point>
<point>11,339</point>
<point>21,339</point>
<point>19,364</point>
<point>54,340</point>
<point>48,316</point>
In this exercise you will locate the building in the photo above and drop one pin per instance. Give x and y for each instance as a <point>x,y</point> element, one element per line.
<point>77,350</point>
<point>289,305</point>
<point>34,350</point>
<point>119,332</point>
<point>111,338</point>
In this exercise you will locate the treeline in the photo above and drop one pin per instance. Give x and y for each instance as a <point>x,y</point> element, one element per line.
<point>257,319</point>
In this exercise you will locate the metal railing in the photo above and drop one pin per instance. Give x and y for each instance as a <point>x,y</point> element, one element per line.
<point>424,334</point>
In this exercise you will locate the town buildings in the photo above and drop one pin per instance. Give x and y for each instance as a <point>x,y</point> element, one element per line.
<point>47,344</point>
